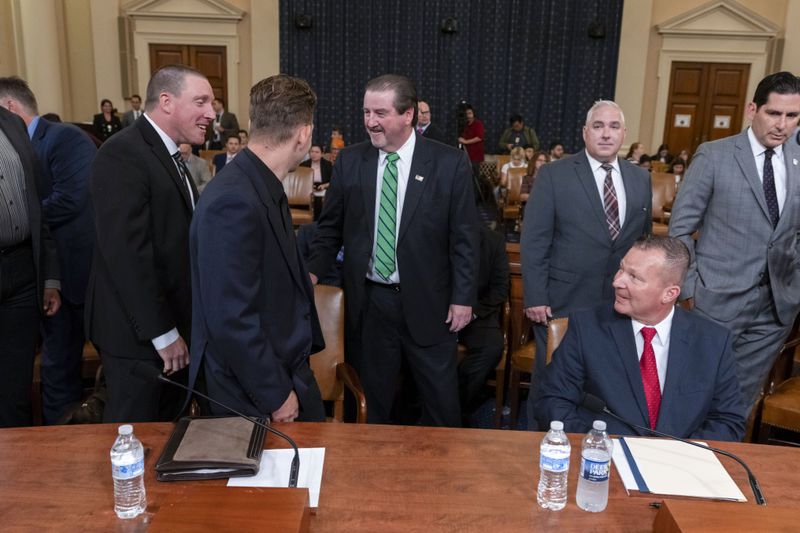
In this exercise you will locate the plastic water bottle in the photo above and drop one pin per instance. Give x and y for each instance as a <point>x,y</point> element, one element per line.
<point>127,469</point>
<point>554,468</point>
<point>592,492</point>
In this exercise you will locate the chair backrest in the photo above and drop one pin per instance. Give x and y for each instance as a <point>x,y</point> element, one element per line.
<point>658,166</point>
<point>501,160</point>
<point>556,329</point>
<point>514,184</point>
<point>330,308</point>
<point>298,186</point>
<point>663,192</point>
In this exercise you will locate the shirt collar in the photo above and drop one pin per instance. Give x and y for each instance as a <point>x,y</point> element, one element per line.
<point>405,152</point>
<point>759,149</point>
<point>594,164</point>
<point>663,328</point>
<point>168,142</point>
<point>32,126</point>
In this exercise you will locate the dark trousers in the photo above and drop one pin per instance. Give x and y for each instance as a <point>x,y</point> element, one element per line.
<point>62,355</point>
<point>134,399</point>
<point>385,342</point>
<point>484,343</point>
<point>539,368</point>
<point>19,327</point>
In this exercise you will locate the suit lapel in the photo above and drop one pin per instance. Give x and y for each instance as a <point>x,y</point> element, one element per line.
<point>368,177</point>
<point>677,363</point>
<point>586,179</point>
<point>632,186</point>
<point>152,138</point>
<point>747,164</point>
<point>622,332</point>
<point>792,161</point>
<point>273,209</point>
<point>420,164</point>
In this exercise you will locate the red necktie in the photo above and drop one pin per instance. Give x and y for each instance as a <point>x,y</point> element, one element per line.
<point>647,365</point>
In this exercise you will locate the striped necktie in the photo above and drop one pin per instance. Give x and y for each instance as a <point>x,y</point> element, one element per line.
<point>183,170</point>
<point>610,203</point>
<point>384,260</point>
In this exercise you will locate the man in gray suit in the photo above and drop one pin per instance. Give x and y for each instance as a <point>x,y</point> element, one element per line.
<point>130,116</point>
<point>584,214</point>
<point>742,194</point>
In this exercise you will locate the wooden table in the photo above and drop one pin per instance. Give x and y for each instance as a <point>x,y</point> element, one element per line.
<point>376,479</point>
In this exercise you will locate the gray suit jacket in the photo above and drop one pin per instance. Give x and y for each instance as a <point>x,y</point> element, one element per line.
<point>568,257</point>
<point>722,197</point>
<point>127,117</point>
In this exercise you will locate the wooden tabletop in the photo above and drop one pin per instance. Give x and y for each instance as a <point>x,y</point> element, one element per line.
<point>376,479</point>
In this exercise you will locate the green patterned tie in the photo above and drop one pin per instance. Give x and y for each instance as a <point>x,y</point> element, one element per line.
<point>384,262</point>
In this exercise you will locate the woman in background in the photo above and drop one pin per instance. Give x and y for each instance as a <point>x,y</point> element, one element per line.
<point>107,123</point>
<point>538,161</point>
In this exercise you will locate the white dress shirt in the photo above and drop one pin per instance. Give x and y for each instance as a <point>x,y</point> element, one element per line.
<point>660,344</point>
<point>406,153</point>
<point>616,178</point>
<point>778,167</point>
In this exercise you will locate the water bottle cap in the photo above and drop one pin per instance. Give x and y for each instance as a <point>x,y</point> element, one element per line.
<point>557,425</point>
<point>599,425</point>
<point>126,429</point>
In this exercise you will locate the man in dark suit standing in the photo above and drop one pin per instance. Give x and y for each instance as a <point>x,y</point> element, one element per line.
<point>225,124</point>
<point>651,362</point>
<point>28,270</point>
<point>232,146</point>
<point>138,304</point>
<point>404,208</point>
<point>133,114</point>
<point>743,194</point>
<point>254,320</point>
<point>424,125</point>
<point>65,154</point>
<point>584,213</point>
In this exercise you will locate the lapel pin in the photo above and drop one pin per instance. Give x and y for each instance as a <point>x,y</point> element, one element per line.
<point>794,161</point>
<point>420,178</point>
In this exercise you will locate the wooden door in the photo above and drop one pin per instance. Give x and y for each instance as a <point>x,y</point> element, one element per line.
<point>209,60</point>
<point>706,102</point>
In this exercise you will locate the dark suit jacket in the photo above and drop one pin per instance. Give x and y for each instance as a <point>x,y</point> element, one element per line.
<point>254,320</point>
<point>437,244</point>
<point>432,132</point>
<point>229,122</point>
<point>102,129</point>
<point>45,258</point>
<point>701,396</point>
<point>325,168</point>
<point>219,161</point>
<point>66,154</point>
<point>139,286</point>
<point>493,279</point>
<point>568,257</point>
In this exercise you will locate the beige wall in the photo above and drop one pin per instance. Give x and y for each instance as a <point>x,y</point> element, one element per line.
<point>8,59</point>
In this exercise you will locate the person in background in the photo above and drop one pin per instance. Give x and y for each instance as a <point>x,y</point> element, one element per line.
<point>517,134</point>
<point>556,150</point>
<point>663,155</point>
<point>198,167</point>
<point>106,123</point>
<point>232,147</point>
<point>635,153</point>
<point>424,125</point>
<point>645,162</point>
<point>243,138</point>
<point>225,124</point>
<point>539,160</point>
<point>321,167</point>
<point>136,111</point>
<point>678,167</point>
<point>517,161</point>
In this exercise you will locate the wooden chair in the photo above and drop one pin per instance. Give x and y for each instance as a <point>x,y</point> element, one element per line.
<point>499,161</point>
<point>208,155</point>
<point>663,195</point>
<point>299,188</point>
<point>780,407</point>
<point>658,166</point>
<point>333,374</point>
<point>512,202</point>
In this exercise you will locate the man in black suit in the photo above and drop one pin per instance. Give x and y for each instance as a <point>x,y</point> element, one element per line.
<point>424,125</point>
<point>225,124</point>
<point>28,269</point>
<point>254,320</point>
<point>483,337</point>
<point>404,208</point>
<point>65,154</point>
<point>138,303</point>
<point>584,214</point>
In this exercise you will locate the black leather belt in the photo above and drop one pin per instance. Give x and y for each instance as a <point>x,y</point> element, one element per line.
<point>391,286</point>
<point>14,247</point>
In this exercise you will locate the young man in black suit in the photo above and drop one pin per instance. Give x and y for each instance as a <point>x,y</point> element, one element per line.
<point>254,320</point>
<point>138,303</point>
<point>404,208</point>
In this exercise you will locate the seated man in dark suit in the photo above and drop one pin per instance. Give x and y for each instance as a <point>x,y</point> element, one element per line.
<point>483,336</point>
<point>232,146</point>
<point>653,364</point>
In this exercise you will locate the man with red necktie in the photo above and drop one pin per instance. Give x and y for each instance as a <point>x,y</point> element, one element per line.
<point>651,362</point>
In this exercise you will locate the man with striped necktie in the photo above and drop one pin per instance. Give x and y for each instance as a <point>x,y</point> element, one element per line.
<point>404,208</point>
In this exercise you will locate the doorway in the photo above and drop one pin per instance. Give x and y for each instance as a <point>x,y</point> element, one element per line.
<point>706,102</point>
<point>208,60</point>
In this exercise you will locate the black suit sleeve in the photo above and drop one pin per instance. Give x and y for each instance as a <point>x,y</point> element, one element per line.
<point>464,240</point>
<point>492,296</point>
<point>328,239</point>
<point>70,161</point>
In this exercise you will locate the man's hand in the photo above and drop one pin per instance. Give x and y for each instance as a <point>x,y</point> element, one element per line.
<point>288,411</point>
<point>175,356</point>
<point>539,314</point>
<point>314,279</point>
<point>458,316</point>
<point>52,302</point>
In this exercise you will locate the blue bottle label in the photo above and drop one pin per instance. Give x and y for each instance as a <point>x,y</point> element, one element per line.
<point>595,470</point>
<point>127,471</point>
<point>553,464</point>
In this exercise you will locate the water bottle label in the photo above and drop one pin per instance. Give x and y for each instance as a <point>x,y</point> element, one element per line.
<point>127,471</point>
<point>554,464</point>
<point>595,470</point>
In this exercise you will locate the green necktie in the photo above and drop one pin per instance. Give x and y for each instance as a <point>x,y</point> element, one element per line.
<point>384,261</point>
